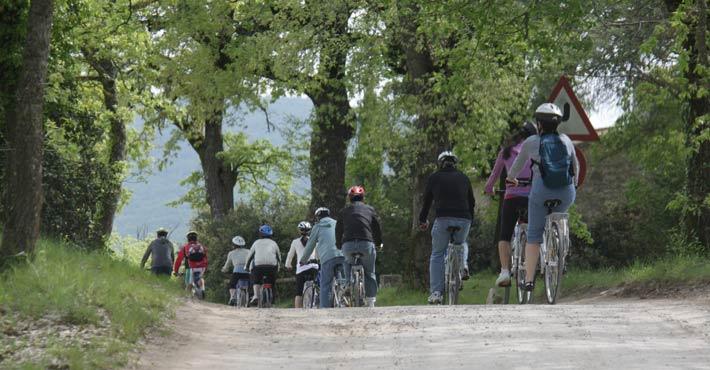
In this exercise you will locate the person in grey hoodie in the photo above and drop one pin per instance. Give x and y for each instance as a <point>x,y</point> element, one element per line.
<point>322,240</point>
<point>163,254</point>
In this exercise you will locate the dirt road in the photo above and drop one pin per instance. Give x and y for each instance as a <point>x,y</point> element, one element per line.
<point>633,334</point>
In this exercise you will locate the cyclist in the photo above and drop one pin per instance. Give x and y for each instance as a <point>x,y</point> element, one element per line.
<point>196,255</point>
<point>450,190</point>
<point>358,231</point>
<point>266,257</point>
<point>551,180</point>
<point>298,245</point>
<point>163,254</point>
<point>322,240</point>
<point>237,258</point>
<point>515,199</point>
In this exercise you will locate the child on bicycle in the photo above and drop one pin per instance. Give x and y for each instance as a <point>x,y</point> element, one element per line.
<point>322,240</point>
<point>196,255</point>
<point>515,200</point>
<point>298,245</point>
<point>237,258</point>
<point>266,256</point>
<point>555,169</point>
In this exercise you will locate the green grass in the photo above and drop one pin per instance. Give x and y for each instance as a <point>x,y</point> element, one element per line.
<point>668,272</point>
<point>85,289</point>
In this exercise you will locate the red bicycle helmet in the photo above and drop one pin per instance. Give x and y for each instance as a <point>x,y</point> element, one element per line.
<point>355,191</point>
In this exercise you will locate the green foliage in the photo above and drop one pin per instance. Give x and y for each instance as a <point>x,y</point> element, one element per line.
<point>85,289</point>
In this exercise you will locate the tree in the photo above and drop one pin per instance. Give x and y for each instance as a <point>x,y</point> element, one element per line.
<point>23,175</point>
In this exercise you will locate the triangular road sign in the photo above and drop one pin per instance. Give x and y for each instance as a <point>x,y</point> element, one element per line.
<point>577,126</point>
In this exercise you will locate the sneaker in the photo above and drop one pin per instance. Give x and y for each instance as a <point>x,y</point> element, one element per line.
<point>254,301</point>
<point>503,279</point>
<point>370,302</point>
<point>465,275</point>
<point>529,286</point>
<point>232,301</point>
<point>435,298</point>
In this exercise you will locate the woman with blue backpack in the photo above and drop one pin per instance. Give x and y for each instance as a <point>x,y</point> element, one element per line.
<point>554,172</point>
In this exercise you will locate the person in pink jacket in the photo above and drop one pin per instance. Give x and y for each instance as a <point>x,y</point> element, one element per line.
<point>515,199</point>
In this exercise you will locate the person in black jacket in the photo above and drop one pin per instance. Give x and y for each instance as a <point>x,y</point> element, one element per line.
<point>450,190</point>
<point>358,231</point>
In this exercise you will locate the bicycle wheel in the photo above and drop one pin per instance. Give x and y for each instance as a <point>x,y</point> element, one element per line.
<point>308,295</point>
<point>454,279</point>
<point>518,267</point>
<point>357,289</point>
<point>267,297</point>
<point>553,275</point>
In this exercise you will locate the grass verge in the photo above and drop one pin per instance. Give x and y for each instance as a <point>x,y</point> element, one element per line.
<point>68,308</point>
<point>636,279</point>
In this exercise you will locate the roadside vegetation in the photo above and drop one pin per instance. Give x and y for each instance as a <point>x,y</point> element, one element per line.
<point>70,308</point>
<point>640,279</point>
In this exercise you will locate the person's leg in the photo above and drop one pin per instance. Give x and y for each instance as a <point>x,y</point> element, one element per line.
<point>504,251</point>
<point>532,255</point>
<point>369,257</point>
<point>348,248</point>
<point>298,298</point>
<point>439,242</point>
<point>536,228</point>
<point>326,282</point>
<point>461,236</point>
<point>256,278</point>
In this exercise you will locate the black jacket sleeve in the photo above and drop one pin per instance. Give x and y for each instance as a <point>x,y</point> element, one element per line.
<point>339,230</point>
<point>376,231</point>
<point>428,198</point>
<point>471,200</point>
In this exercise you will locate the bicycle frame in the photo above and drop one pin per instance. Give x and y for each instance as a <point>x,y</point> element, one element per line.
<point>454,262</point>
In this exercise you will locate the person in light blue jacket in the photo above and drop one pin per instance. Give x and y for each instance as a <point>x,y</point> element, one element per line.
<point>322,240</point>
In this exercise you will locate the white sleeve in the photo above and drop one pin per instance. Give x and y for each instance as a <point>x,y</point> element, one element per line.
<point>290,255</point>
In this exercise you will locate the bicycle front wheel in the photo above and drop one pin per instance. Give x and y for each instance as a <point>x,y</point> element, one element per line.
<point>308,295</point>
<point>553,263</point>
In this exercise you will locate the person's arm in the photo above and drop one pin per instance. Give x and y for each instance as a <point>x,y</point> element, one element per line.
<point>249,257</point>
<point>339,231</point>
<point>290,255</point>
<point>523,156</point>
<point>278,255</point>
<point>376,230</point>
<point>172,251</point>
<point>310,245</point>
<point>178,260</point>
<point>146,255</point>
<point>228,262</point>
<point>575,164</point>
<point>471,199</point>
<point>495,174</point>
<point>205,259</point>
<point>428,198</point>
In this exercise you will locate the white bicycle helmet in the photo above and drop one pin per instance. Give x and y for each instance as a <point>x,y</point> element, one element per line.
<point>548,112</point>
<point>238,241</point>
<point>304,226</point>
<point>447,154</point>
<point>322,212</point>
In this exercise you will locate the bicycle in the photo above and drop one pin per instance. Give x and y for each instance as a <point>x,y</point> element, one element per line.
<point>266,296</point>
<point>454,264</point>
<point>339,288</point>
<point>311,288</point>
<point>194,285</point>
<point>241,296</point>
<point>553,253</point>
<point>357,281</point>
<point>517,255</point>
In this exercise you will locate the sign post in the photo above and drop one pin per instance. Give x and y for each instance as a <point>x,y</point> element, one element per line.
<point>577,124</point>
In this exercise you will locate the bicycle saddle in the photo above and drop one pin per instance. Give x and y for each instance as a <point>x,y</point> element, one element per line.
<point>453,228</point>
<point>552,203</point>
<point>356,254</point>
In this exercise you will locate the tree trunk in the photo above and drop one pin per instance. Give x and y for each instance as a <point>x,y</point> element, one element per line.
<point>108,203</point>
<point>698,221</point>
<point>25,136</point>
<point>432,137</point>
<point>219,177</point>
<point>332,127</point>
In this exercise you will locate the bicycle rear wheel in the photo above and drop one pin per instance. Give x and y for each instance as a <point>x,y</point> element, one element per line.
<point>553,263</point>
<point>518,267</point>
<point>308,295</point>
<point>357,288</point>
<point>453,279</point>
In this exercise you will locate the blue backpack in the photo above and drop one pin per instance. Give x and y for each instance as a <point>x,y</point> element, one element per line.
<point>555,163</point>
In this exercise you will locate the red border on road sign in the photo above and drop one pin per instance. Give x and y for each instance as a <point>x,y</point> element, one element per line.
<point>564,83</point>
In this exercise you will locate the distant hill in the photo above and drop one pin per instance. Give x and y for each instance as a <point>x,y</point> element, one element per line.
<point>147,208</point>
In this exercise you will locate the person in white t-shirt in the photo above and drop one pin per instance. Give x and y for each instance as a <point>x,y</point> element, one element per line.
<point>297,247</point>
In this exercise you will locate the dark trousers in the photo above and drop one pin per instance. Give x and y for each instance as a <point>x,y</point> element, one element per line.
<point>161,270</point>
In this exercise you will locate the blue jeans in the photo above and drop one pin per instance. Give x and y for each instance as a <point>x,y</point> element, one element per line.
<point>439,242</point>
<point>536,206</point>
<point>369,256</point>
<point>327,272</point>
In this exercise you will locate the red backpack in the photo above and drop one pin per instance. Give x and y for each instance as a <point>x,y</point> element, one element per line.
<point>195,252</point>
